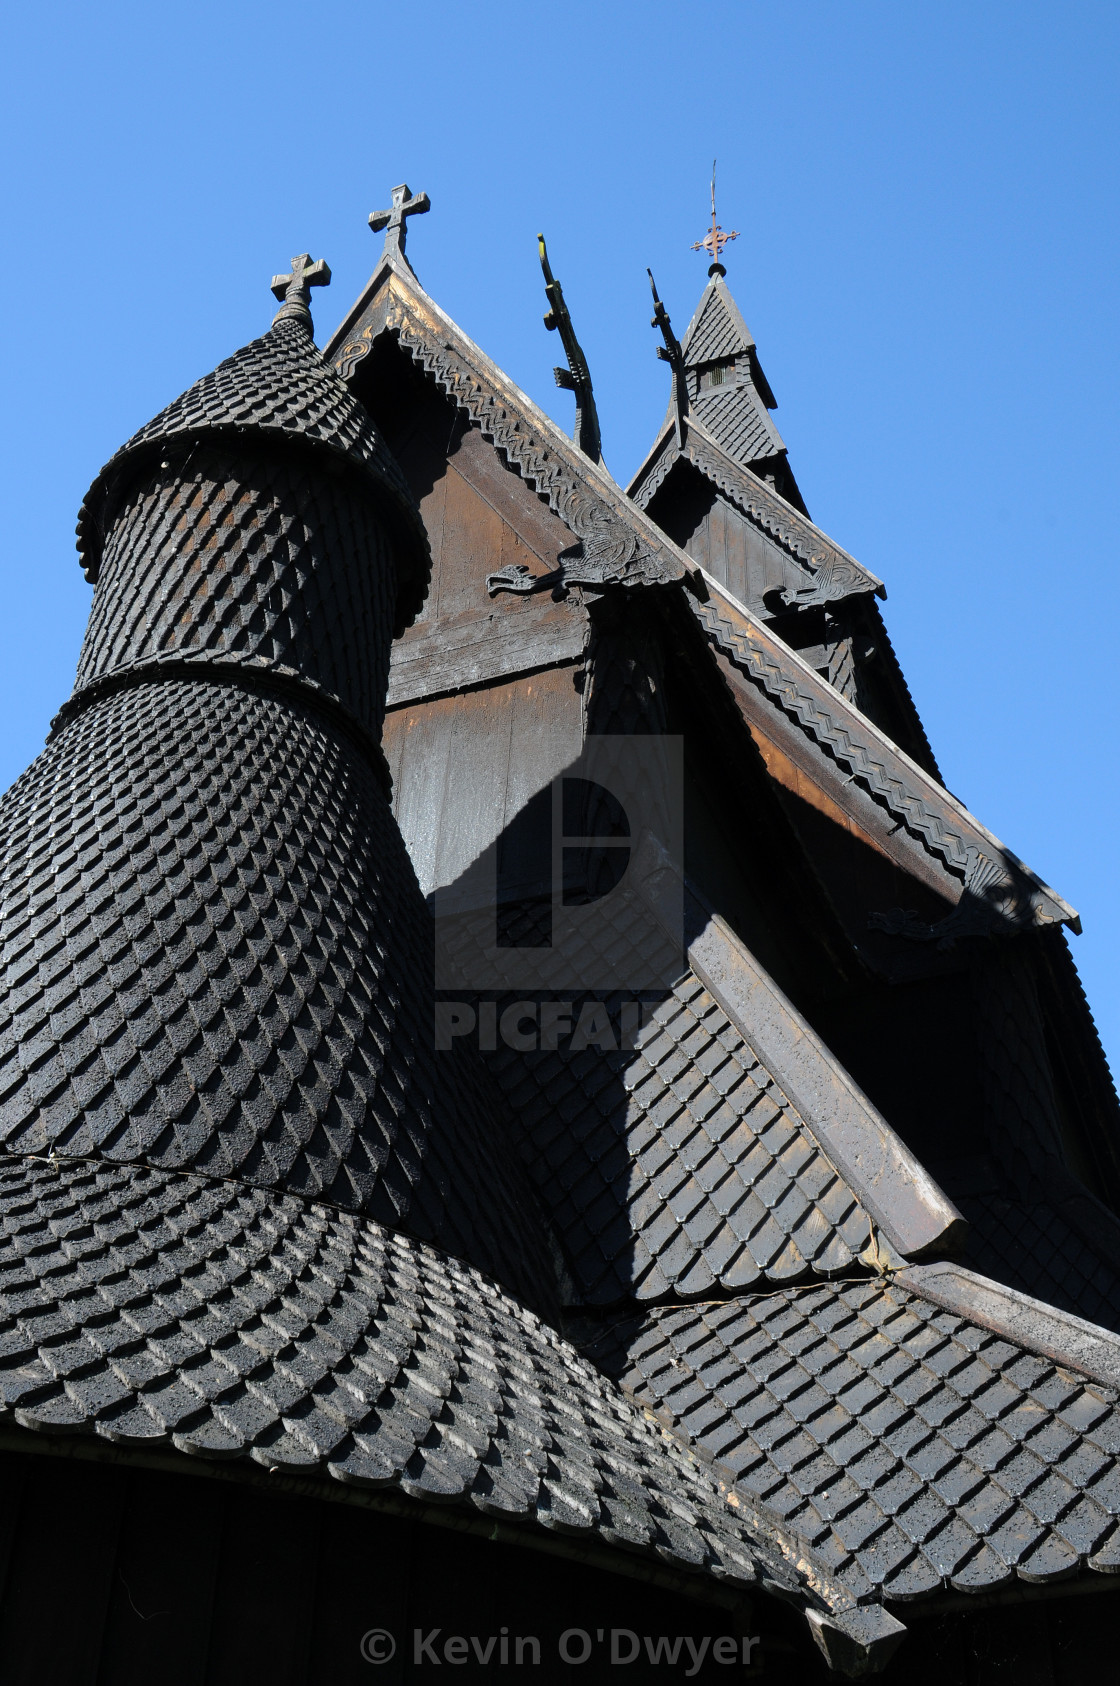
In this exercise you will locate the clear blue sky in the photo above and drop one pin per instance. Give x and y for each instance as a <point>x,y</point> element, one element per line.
<point>927,195</point>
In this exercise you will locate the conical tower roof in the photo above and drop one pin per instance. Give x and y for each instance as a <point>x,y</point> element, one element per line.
<point>279,389</point>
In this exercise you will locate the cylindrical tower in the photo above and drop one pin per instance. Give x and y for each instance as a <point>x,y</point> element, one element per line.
<point>215,953</point>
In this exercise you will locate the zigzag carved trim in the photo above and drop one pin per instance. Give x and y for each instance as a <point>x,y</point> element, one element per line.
<point>814,549</point>
<point>1013,898</point>
<point>824,561</point>
<point>620,555</point>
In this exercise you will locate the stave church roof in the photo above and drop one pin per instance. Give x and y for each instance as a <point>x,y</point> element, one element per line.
<point>801,1285</point>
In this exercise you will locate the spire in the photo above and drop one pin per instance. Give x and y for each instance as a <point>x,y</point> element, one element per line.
<point>728,392</point>
<point>395,220</point>
<point>577,376</point>
<point>294,289</point>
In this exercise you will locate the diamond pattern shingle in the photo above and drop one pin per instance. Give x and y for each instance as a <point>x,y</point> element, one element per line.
<point>851,1411</point>
<point>245,557</point>
<point>215,955</point>
<point>680,1166</point>
<point>278,387</point>
<point>738,420</point>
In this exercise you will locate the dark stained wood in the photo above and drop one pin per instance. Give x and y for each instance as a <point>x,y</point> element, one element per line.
<point>735,551</point>
<point>463,766</point>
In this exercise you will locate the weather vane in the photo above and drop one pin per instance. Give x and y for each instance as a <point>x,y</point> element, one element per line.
<point>715,239</point>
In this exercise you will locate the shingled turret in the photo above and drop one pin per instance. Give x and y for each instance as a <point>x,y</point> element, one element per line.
<point>224,956</point>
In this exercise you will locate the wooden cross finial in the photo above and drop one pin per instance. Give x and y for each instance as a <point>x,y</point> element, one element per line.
<point>393,221</point>
<point>715,239</point>
<point>294,289</point>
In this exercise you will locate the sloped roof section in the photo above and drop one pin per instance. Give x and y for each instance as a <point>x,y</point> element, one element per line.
<point>682,1167</point>
<point>1032,1246</point>
<point>909,1446</point>
<point>728,1150</point>
<point>212,942</point>
<point>737,410</point>
<point>614,548</point>
<point>996,890</point>
<point>733,414</point>
<point>822,572</point>
<point>164,1310</point>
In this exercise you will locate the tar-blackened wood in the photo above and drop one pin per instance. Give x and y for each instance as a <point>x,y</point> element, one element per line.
<point>61,1575</point>
<point>283,1589</point>
<point>464,766</point>
<point>314,1578</point>
<point>158,1622</point>
<point>443,1329</point>
<point>737,552</point>
<point>258,1628</point>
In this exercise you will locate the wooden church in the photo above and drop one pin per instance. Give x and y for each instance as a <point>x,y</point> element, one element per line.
<point>535,1134</point>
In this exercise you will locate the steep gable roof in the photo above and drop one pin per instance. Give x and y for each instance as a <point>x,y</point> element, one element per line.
<point>727,1150</point>
<point>988,886</point>
<point>615,550</point>
<point>623,547</point>
<point>821,570</point>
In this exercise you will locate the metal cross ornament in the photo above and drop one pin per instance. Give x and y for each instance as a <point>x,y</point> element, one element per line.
<point>715,239</point>
<point>294,289</point>
<point>393,221</point>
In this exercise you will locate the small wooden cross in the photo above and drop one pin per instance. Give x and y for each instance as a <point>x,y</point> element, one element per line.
<point>293,289</point>
<point>405,204</point>
<point>715,239</point>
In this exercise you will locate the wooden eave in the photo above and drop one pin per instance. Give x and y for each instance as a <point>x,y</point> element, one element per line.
<point>930,832</point>
<point>582,493</point>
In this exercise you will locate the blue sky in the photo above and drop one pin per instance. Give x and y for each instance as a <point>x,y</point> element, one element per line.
<point>927,199</point>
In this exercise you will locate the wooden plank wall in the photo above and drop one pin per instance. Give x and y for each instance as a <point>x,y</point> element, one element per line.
<point>464,765</point>
<point>481,517</point>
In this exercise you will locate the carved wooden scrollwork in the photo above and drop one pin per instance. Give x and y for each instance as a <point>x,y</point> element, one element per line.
<point>994,900</point>
<point>831,575</point>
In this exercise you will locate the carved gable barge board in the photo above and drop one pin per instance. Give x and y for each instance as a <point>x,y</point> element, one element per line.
<point>826,565</point>
<point>928,815</point>
<point>620,545</point>
<point>809,573</point>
